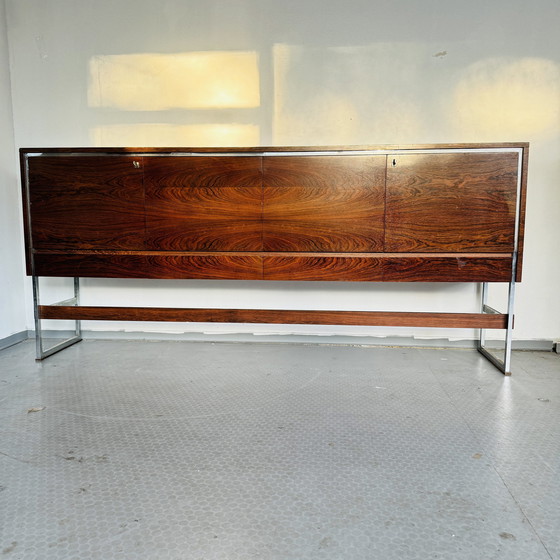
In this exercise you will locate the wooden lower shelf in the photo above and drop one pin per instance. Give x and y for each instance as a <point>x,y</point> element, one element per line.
<point>270,316</point>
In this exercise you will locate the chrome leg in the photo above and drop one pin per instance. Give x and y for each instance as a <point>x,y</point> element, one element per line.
<point>509,330</point>
<point>40,351</point>
<point>38,332</point>
<point>484,301</point>
<point>503,365</point>
<point>78,329</point>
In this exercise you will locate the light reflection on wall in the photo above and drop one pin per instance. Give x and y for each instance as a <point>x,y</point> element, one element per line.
<point>508,99</point>
<point>396,93</point>
<point>156,82</point>
<point>198,96</point>
<point>399,93</point>
<point>350,95</point>
<point>152,134</point>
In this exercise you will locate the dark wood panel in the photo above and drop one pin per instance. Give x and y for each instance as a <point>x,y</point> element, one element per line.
<point>324,203</point>
<point>204,203</point>
<point>298,317</point>
<point>451,202</point>
<point>96,202</point>
<point>142,265</point>
<point>364,268</point>
<point>86,202</point>
<point>270,266</point>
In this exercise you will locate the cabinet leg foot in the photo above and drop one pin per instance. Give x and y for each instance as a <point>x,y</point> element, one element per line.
<point>40,351</point>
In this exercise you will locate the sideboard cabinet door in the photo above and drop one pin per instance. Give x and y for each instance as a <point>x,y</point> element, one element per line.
<point>203,203</point>
<point>454,202</point>
<point>324,203</point>
<point>86,202</point>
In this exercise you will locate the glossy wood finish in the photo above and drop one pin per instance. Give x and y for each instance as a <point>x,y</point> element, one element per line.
<point>389,268</point>
<point>201,213</point>
<point>298,317</point>
<point>463,202</point>
<point>147,264</point>
<point>270,266</point>
<point>203,203</point>
<point>86,202</point>
<point>324,203</point>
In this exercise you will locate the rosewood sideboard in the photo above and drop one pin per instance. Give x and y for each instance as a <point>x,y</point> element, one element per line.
<point>426,213</point>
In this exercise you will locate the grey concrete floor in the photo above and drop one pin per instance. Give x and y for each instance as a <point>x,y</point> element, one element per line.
<point>176,450</point>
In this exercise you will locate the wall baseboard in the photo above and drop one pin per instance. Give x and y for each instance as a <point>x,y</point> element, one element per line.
<point>539,345</point>
<point>13,339</point>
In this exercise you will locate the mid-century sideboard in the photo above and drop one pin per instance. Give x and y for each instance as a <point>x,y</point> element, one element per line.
<point>426,213</point>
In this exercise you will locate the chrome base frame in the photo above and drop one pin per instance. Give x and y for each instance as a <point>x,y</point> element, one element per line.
<point>40,351</point>
<point>503,365</point>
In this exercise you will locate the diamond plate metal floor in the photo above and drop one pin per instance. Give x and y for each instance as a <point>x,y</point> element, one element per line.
<point>174,450</point>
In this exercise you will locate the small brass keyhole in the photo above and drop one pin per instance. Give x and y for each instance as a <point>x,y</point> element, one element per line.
<point>136,164</point>
<point>394,162</point>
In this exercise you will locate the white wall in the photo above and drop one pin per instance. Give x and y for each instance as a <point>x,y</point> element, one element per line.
<point>143,72</point>
<point>12,305</point>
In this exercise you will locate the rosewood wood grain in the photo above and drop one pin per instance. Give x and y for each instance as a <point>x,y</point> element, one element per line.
<point>323,203</point>
<point>463,202</point>
<point>269,266</point>
<point>203,203</point>
<point>220,192</point>
<point>217,266</point>
<point>379,268</point>
<point>86,202</point>
<point>298,317</point>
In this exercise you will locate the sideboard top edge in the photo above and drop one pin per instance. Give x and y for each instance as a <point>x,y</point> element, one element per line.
<point>261,149</point>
